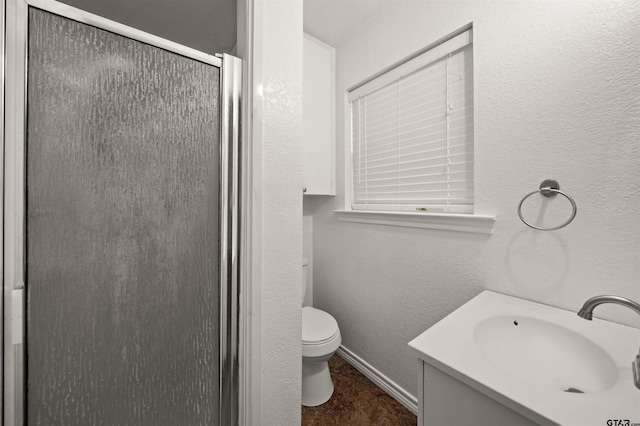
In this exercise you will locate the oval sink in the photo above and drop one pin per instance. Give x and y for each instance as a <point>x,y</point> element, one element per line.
<point>545,354</point>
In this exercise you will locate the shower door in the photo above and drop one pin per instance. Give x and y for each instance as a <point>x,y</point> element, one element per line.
<point>120,176</point>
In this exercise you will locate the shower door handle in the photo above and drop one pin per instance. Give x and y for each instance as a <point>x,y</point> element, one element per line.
<point>17,309</point>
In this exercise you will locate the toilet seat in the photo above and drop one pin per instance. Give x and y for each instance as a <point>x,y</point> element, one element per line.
<point>317,326</point>
<point>320,333</point>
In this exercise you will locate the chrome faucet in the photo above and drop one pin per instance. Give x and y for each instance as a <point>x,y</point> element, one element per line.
<point>587,309</point>
<point>587,313</point>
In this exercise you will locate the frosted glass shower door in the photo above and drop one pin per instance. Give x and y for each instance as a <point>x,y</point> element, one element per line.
<point>122,240</point>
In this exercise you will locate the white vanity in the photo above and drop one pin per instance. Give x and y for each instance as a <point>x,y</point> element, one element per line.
<point>500,360</point>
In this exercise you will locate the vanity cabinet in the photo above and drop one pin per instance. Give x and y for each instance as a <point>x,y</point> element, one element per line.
<point>444,400</point>
<point>502,360</point>
<point>318,117</point>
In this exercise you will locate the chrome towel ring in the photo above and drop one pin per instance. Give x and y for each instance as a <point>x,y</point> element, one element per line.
<point>548,188</point>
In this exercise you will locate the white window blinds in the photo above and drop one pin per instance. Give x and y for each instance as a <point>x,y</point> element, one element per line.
<point>412,133</point>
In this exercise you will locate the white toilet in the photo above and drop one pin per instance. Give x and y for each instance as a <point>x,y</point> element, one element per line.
<point>320,340</point>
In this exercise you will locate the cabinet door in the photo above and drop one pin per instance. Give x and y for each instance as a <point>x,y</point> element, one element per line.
<point>447,401</point>
<point>318,122</point>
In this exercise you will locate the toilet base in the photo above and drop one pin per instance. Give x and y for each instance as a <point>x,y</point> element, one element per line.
<point>317,386</point>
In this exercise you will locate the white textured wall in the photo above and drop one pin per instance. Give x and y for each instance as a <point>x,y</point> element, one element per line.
<point>556,96</point>
<point>278,113</point>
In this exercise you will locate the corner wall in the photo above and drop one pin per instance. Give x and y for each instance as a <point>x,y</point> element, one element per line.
<point>556,96</point>
<point>277,210</point>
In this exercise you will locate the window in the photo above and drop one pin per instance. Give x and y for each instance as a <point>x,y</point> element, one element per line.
<point>412,133</point>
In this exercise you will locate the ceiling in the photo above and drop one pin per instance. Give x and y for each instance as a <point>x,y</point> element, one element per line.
<point>333,20</point>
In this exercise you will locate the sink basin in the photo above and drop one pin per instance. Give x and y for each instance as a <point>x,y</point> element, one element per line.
<point>545,354</point>
<point>544,363</point>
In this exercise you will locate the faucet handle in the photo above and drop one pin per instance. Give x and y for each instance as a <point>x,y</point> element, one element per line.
<point>635,366</point>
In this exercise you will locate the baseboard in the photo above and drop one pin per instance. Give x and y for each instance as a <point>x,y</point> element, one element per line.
<point>382,381</point>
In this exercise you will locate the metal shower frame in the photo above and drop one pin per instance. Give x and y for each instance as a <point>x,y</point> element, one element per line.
<point>13,42</point>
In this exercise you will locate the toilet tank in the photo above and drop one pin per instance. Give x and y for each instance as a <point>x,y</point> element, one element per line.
<point>305,269</point>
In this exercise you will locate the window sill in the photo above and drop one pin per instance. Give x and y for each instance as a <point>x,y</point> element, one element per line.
<point>479,224</point>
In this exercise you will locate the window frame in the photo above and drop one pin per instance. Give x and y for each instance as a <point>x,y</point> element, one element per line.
<point>379,94</point>
<point>451,221</point>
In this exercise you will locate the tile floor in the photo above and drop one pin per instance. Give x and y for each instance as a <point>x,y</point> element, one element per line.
<point>356,401</point>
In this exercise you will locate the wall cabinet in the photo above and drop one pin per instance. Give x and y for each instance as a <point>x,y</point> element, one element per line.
<point>318,128</point>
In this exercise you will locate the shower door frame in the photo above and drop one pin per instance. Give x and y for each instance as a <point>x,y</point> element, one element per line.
<point>13,18</point>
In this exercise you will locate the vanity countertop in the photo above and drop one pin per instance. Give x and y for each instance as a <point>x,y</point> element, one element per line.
<point>462,345</point>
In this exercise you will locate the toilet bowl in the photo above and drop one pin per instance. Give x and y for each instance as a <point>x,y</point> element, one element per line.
<point>320,340</point>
